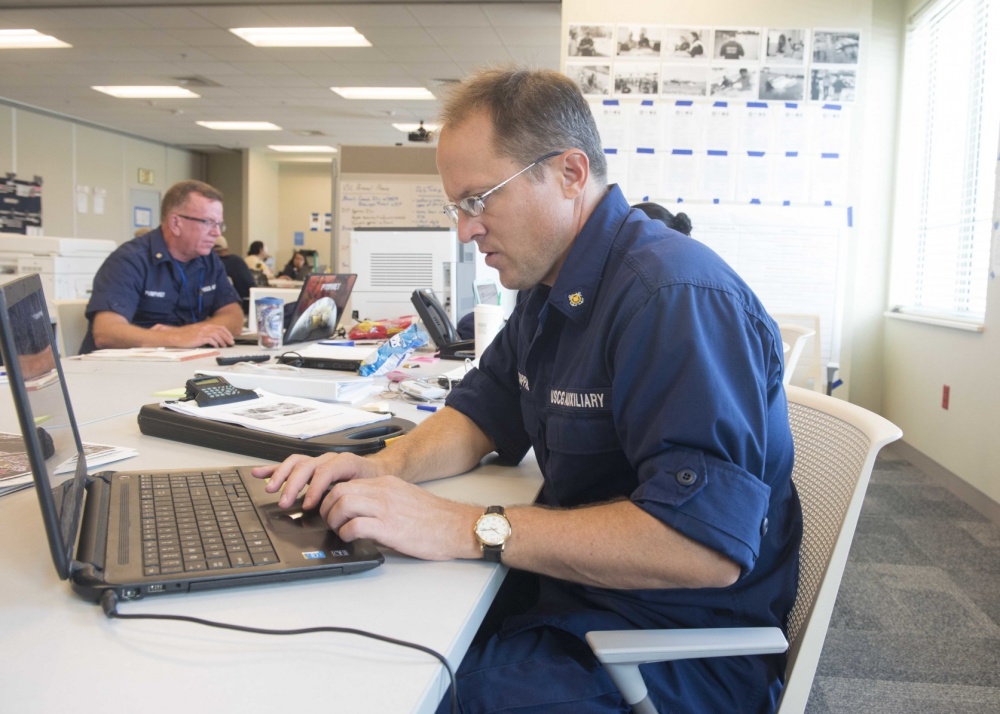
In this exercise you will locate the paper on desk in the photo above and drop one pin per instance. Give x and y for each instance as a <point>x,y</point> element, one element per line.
<point>287,416</point>
<point>151,354</point>
<point>15,470</point>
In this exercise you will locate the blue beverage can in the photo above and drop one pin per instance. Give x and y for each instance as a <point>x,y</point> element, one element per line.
<point>270,322</point>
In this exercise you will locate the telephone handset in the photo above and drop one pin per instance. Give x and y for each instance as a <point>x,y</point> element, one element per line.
<point>439,326</point>
<point>213,391</point>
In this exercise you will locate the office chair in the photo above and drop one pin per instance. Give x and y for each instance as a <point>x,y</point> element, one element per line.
<point>796,336</point>
<point>835,448</point>
<point>71,325</point>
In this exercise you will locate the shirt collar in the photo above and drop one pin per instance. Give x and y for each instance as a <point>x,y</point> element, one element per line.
<point>579,277</point>
<point>158,246</point>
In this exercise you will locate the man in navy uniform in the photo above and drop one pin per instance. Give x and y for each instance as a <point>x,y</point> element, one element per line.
<point>646,376</point>
<point>168,288</point>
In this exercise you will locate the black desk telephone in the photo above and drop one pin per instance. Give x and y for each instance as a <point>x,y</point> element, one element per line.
<point>213,391</point>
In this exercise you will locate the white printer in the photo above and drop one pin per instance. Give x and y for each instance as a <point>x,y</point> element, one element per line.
<point>66,265</point>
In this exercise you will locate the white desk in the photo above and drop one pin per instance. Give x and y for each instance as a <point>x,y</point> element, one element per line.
<point>60,648</point>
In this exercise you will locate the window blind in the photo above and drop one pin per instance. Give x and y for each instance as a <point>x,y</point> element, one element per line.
<point>949,129</point>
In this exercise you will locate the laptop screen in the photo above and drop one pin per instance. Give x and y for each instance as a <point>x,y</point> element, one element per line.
<point>320,307</point>
<point>43,409</point>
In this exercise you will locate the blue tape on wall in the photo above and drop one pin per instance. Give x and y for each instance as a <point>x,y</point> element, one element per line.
<point>682,152</point>
<point>683,103</point>
<point>610,102</point>
<point>718,152</point>
<point>645,151</point>
<point>757,105</point>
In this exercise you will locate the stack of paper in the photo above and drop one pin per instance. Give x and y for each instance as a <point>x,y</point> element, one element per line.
<point>152,354</point>
<point>323,385</point>
<point>287,416</point>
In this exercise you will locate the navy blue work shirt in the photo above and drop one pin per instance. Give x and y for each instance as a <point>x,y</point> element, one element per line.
<point>650,371</point>
<point>143,283</point>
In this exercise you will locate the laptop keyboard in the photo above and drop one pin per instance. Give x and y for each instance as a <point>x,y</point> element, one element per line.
<point>200,521</point>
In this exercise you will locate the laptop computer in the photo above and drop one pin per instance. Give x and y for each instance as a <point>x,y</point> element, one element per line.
<point>114,530</point>
<point>317,312</point>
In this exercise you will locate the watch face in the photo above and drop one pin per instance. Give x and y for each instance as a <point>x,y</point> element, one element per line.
<point>493,529</point>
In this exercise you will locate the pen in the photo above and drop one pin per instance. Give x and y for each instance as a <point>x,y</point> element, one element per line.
<point>427,407</point>
<point>338,343</point>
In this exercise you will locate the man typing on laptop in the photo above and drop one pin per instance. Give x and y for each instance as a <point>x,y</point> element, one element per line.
<point>167,288</point>
<point>646,376</point>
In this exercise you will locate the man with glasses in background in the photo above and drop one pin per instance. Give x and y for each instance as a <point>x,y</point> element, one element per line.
<point>168,288</point>
<point>645,375</point>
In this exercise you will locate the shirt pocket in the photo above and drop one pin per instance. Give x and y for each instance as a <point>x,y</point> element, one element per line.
<point>153,310</point>
<point>585,461</point>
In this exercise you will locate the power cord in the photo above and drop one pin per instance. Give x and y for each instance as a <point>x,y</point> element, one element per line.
<point>109,603</point>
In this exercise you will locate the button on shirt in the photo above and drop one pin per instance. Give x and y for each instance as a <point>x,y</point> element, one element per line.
<point>142,282</point>
<point>651,371</point>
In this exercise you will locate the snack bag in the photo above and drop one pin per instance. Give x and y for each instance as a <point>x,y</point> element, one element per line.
<point>379,329</point>
<point>392,352</point>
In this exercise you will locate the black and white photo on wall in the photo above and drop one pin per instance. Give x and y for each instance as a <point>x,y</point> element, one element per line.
<point>594,79</point>
<point>637,78</point>
<point>590,40</point>
<point>786,46</point>
<point>639,40</point>
<point>737,45</point>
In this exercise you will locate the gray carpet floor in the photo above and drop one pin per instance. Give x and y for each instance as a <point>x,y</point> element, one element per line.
<point>916,628</point>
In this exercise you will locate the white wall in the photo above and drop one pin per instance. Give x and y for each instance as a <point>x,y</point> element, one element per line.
<point>920,360</point>
<point>870,154</point>
<point>67,154</point>
<point>895,368</point>
<point>304,188</point>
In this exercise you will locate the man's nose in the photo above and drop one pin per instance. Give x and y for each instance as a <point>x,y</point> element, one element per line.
<point>469,228</point>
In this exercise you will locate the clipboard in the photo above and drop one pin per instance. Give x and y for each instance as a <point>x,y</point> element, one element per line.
<point>155,420</point>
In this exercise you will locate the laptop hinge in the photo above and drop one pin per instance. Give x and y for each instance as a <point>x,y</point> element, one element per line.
<point>92,548</point>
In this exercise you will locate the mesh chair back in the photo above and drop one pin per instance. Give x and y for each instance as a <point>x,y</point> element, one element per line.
<point>835,448</point>
<point>829,456</point>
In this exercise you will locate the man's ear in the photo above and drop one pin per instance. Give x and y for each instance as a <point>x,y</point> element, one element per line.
<point>575,172</point>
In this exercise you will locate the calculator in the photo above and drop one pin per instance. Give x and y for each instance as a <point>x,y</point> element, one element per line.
<point>213,391</point>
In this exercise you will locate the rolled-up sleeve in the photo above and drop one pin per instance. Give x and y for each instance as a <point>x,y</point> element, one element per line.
<point>692,418</point>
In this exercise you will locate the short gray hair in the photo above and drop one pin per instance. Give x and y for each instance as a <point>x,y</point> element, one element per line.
<point>177,195</point>
<point>533,112</point>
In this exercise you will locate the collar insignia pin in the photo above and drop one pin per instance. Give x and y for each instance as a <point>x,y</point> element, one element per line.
<point>159,255</point>
<point>576,299</point>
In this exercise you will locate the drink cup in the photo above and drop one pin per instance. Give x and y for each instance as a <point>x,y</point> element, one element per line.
<point>488,319</point>
<point>270,322</point>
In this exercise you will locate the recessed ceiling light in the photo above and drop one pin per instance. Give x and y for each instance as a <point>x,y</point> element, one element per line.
<point>164,92</point>
<point>28,40</point>
<point>383,92</point>
<point>304,149</point>
<point>239,125</point>
<point>415,126</point>
<point>302,36</point>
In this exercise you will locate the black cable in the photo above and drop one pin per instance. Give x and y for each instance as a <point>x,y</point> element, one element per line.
<point>109,603</point>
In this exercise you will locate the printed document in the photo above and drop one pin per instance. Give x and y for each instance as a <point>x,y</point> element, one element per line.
<point>288,416</point>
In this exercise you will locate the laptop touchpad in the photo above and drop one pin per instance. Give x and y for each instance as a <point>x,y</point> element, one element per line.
<point>294,518</point>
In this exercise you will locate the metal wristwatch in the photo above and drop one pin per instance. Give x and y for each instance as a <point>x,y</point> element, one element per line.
<point>493,531</point>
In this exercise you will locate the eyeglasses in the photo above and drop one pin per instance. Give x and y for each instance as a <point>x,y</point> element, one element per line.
<point>207,222</point>
<point>475,205</point>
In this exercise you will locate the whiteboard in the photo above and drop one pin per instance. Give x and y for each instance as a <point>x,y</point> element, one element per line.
<point>791,257</point>
<point>387,202</point>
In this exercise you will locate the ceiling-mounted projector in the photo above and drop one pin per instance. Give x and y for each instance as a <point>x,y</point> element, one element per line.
<point>420,134</point>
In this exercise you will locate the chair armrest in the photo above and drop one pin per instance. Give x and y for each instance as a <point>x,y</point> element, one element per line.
<point>641,646</point>
<point>622,651</point>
